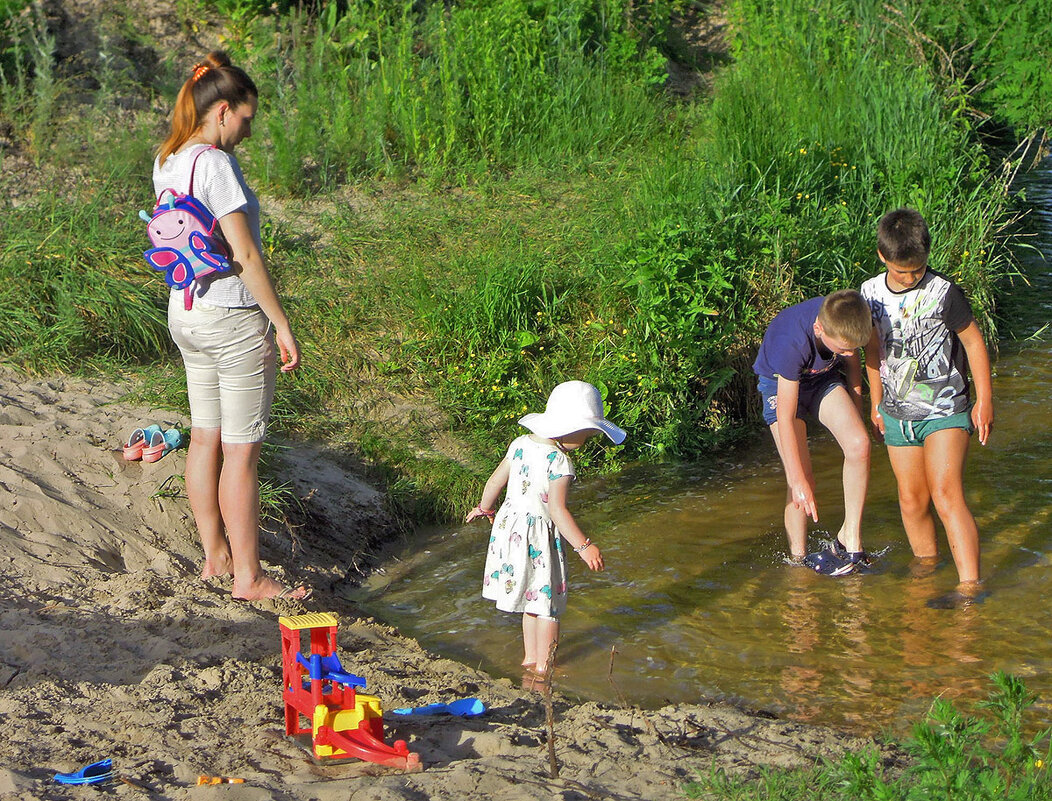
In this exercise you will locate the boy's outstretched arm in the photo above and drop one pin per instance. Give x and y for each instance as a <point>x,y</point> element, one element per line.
<point>876,389</point>
<point>491,493</point>
<point>979,366</point>
<point>791,448</point>
<point>568,528</point>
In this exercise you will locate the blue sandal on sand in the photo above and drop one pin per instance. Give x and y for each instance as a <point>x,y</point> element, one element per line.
<point>90,774</point>
<point>160,443</point>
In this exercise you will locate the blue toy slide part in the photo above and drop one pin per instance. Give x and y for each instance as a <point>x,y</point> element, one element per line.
<point>90,774</point>
<point>462,708</point>
<point>328,668</point>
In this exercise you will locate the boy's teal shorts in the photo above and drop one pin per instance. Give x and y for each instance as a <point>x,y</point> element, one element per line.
<point>898,433</point>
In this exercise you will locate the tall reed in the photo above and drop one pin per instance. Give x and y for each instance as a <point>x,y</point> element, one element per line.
<point>449,91</point>
<point>75,288</point>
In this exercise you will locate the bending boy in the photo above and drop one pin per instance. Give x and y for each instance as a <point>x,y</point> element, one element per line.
<point>799,373</point>
<point>924,341</point>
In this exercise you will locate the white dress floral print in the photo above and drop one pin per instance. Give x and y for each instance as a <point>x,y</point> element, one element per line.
<point>525,564</point>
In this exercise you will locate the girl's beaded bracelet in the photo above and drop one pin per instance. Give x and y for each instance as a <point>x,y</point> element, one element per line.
<point>586,544</point>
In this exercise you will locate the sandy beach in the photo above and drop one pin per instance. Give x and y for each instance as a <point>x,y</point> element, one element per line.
<point>113,647</point>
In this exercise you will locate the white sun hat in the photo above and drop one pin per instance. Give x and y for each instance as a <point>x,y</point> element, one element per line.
<point>572,406</point>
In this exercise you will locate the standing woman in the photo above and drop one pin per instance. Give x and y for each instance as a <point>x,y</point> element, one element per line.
<point>227,336</point>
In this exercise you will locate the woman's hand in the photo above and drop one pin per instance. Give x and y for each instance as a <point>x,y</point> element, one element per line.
<point>289,349</point>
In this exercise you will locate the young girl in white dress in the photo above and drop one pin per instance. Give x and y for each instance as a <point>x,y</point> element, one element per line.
<point>526,564</point>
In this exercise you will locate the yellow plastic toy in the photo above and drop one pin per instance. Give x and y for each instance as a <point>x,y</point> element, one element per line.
<point>342,722</point>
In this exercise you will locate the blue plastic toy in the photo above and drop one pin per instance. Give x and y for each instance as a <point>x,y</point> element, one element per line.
<point>462,708</point>
<point>90,774</point>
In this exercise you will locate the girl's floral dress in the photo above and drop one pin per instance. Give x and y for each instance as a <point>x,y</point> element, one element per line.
<point>525,564</point>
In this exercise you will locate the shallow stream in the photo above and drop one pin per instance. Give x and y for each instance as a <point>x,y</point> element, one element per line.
<point>696,602</point>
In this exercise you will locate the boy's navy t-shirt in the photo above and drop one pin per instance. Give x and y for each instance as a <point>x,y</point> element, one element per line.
<point>789,348</point>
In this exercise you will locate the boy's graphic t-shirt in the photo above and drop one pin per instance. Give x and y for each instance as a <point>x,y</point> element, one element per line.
<point>789,348</point>
<point>923,366</point>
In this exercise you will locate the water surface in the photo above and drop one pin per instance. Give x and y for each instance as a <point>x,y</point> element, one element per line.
<point>697,603</point>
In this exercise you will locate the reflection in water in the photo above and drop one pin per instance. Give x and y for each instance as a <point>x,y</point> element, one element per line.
<point>698,603</point>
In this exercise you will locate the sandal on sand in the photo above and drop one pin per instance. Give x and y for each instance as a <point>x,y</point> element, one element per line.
<point>90,774</point>
<point>137,442</point>
<point>161,443</point>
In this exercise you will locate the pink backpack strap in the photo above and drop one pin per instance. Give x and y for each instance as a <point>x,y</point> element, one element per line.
<point>188,293</point>
<point>194,165</point>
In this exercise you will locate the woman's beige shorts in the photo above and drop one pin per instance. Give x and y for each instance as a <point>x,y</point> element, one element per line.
<point>231,367</point>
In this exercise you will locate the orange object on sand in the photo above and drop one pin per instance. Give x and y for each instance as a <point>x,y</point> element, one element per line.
<point>218,780</point>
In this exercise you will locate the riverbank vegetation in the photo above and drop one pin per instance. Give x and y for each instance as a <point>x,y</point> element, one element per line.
<point>956,756</point>
<point>470,202</point>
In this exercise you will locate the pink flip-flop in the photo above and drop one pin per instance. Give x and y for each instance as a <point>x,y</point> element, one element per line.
<point>137,442</point>
<point>160,443</point>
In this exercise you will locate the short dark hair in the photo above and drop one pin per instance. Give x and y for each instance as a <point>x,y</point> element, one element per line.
<point>903,238</point>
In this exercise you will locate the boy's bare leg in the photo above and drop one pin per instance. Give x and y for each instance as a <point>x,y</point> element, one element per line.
<point>838,413</point>
<point>908,464</point>
<point>944,455</point>
<point>795,519</point>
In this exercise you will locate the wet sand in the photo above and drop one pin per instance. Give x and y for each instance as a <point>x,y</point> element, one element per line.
<point>113,647</point>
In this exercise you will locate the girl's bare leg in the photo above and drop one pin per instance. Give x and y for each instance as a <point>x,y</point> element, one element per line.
<point>203,465</point>
<point>239,502</point>
<point>547,632</point>
<point>529,640</point>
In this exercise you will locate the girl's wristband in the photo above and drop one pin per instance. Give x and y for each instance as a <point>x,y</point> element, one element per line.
<point>485,512</point>
<point>586,544</point>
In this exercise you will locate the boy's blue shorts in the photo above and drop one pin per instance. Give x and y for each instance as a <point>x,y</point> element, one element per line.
<point>898,433</point>
<point>811,394</point>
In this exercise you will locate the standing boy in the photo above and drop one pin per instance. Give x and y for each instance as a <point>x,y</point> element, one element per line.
<point>799,372</point>
<point>924,342</point>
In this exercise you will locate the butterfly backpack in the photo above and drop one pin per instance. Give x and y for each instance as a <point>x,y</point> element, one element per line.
<point>184,237</point>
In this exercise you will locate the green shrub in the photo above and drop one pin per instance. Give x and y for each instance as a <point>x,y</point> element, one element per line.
<point>955,757</point>
<point>999,51</point>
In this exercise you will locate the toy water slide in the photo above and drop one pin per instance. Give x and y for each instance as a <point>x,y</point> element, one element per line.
<point>342,722</point>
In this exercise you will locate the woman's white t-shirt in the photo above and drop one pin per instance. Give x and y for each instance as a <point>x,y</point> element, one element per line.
<point>220,185</point>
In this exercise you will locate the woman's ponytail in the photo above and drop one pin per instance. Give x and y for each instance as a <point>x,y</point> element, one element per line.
<point>213,80</point>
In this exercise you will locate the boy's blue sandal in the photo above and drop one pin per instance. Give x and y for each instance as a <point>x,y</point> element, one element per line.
<point>90,774</point>
<point>836,560</point>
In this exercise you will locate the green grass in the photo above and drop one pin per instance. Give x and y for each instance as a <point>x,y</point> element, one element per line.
<point>483,199</point>
<point>953,756</point>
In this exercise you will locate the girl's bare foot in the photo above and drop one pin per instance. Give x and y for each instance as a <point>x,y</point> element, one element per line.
<point>535,682</point>
<point>265,587</point>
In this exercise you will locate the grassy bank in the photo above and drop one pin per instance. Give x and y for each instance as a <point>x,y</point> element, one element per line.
<point>956,756</point>
<point>468,204</point>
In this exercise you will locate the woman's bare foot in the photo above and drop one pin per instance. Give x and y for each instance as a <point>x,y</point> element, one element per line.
<point>265,587</point>
<point>217,567</point>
